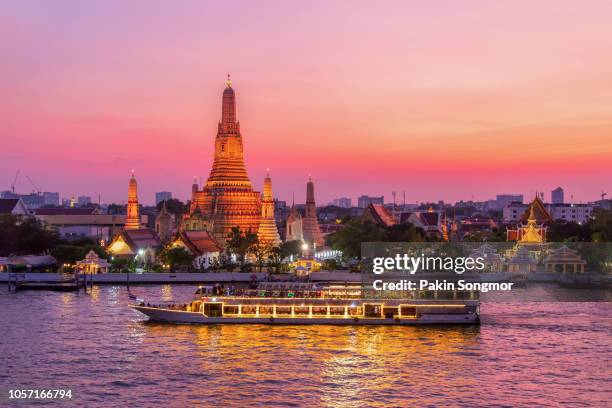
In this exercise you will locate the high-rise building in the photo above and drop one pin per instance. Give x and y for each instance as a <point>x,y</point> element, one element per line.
<point>364,201</point>
<point>162,196</point>
<point>268,232</point>
<point>557,196</point>
<point>227,200</point>
<point>343,202</point>
<point>83,201</point>
<point>132,219</point>
<point>51,198</point>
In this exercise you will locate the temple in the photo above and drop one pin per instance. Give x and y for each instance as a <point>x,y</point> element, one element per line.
<point>310,224</point>
<point>268,232</point>
<point>532,226</point>
<point>132,219</point>
<point>227,199</point>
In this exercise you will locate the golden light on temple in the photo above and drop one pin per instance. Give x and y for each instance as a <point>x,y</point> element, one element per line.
<point>227,199</point>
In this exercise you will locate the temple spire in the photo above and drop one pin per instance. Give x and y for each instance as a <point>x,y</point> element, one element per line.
<point>132,219</point>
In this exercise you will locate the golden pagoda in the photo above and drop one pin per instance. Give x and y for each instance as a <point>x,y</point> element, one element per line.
<point>227,199</point>
<point>267,232</point>
<point>132,219</point>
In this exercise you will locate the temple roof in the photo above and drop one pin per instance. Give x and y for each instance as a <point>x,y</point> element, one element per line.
<point>522,257</point>
<point>199,242</point>
<point>141,238</point>
<point>564,255</point>
<point>380,215</point>
<point>539,211</point>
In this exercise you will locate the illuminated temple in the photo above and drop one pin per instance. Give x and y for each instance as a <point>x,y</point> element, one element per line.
<point>532,226</point>
<point>268,232</point>
<point>227,199</point>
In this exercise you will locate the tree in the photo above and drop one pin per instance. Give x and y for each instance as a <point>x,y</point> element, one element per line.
<point>564,231</point>
<point>262,251</point>
<point>405,233</point>
<point>349,239</point>
<point>174,206</point>
<point>24,235</point>
<point>176,256</point>
<point>601,226</point>
<point>240,243</point>
<point>67,253</point>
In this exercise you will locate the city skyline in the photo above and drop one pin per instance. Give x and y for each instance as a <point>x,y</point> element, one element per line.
<point>412,107</point>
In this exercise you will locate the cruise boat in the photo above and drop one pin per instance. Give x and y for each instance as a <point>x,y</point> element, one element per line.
<point>305,303</point>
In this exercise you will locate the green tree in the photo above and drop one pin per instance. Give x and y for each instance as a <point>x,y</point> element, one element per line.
<point>24,235</point>
<point>240,243</point>
<point>176,256</point>
<point>68,253</point>
<point>601,226</point>
<point>174,206</point>
<point>349,239</point>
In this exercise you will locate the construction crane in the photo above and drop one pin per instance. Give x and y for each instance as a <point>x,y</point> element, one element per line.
<point>36,189</point>
<point>15,180</point>
<point>603,195</point>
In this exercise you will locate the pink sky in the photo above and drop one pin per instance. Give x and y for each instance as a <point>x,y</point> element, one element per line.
<point>444,100</point>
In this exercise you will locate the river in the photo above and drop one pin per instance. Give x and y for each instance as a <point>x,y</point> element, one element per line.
<point>540,353</point>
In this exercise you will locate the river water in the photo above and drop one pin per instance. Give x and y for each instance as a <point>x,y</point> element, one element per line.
<point>523,354</point>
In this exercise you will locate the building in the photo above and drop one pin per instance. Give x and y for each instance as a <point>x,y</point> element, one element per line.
<point>165,224</point>
<point>74,223</point>
<point>364,201</point>
<point>343,202</point>
<point>556,196</point>
<point>14,206</point>
<point>201,244</point>
<point>132,219</point>
<point>429,221</point>
<point>378,214</point>
<point>227,200</point>
<point>162,196</point>
<point>531,226</point>
<point>142,242</point>
<point>293,229</point>
<point>51,198</point>
<point>310,223</point>
<point>267,232</point>
<point>503,200</point>
<point>579,213</point>
<point>93,264</point>
<point>83,201</point>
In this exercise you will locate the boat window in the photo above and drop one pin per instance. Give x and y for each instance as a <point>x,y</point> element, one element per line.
<point>354,311</point>
<point>408,311</point>
<point>319,310</point>
<point>372,310</point>
<point>336,311</point>
<point>301,310</point>
<point>283,310</point>
<point>213,309</point>
<point>249,309</point>
<point>230,310</point>
<point>266,310</point>
<point>390,312</point>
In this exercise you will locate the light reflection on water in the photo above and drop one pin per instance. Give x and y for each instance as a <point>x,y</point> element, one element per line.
<point>523,354</point>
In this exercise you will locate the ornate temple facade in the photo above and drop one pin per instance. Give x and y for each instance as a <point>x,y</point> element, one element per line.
<point>268,232</point>
<point>227,199</point>
<point>532,227</point>
<point>132,219</point>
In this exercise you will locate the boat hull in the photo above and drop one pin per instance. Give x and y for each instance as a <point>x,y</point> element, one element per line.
<point>183,317</point>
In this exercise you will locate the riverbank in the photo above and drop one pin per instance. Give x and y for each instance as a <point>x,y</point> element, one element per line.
<point>209,277</point>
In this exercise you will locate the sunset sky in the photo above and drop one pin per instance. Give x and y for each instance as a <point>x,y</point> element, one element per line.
<point>442,99</point>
